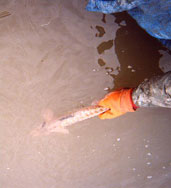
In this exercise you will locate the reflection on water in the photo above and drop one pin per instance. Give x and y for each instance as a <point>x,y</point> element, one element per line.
<point>137,52</point>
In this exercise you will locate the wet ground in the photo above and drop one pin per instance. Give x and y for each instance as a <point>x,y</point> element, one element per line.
<point>55,54</point>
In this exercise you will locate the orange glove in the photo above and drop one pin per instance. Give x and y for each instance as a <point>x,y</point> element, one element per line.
<point>119,102</point>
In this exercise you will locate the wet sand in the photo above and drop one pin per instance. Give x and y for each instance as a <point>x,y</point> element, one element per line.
<point>50,58</point>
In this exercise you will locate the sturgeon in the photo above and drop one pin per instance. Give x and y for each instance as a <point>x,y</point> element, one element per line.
<point>60,124</point>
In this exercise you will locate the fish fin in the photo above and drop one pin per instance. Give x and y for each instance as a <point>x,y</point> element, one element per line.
<point>47,115</point>
<point>44,132</point>
<point>60,129</point>
<point>95,102</point>
<point>38,132</point>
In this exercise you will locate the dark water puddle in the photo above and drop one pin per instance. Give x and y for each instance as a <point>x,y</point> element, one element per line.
<point>104,18</point>
<point>136,49</point>
<point>137,52</point>
<point>106,45</point>
<point>109,69</point>
<point>100,30</point>
<point>101,62</point>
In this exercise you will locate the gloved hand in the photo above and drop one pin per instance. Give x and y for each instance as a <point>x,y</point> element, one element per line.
<point>119,102</point>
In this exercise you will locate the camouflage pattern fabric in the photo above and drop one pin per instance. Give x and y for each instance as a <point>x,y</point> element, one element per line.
<point>154,92</point>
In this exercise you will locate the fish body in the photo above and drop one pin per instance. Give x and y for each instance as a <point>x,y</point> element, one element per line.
<point>80,115</point>
<point>59,124</point>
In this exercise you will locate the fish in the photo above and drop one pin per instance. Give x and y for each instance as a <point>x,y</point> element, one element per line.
<point>59,125</point>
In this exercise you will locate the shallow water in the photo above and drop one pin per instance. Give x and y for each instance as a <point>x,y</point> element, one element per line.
<point>50,59</point>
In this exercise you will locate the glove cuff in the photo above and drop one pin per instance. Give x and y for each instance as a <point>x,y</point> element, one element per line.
<point>126,102</point>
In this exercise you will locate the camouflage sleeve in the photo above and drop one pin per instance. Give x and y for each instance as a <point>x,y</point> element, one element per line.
<point>154,92</point>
